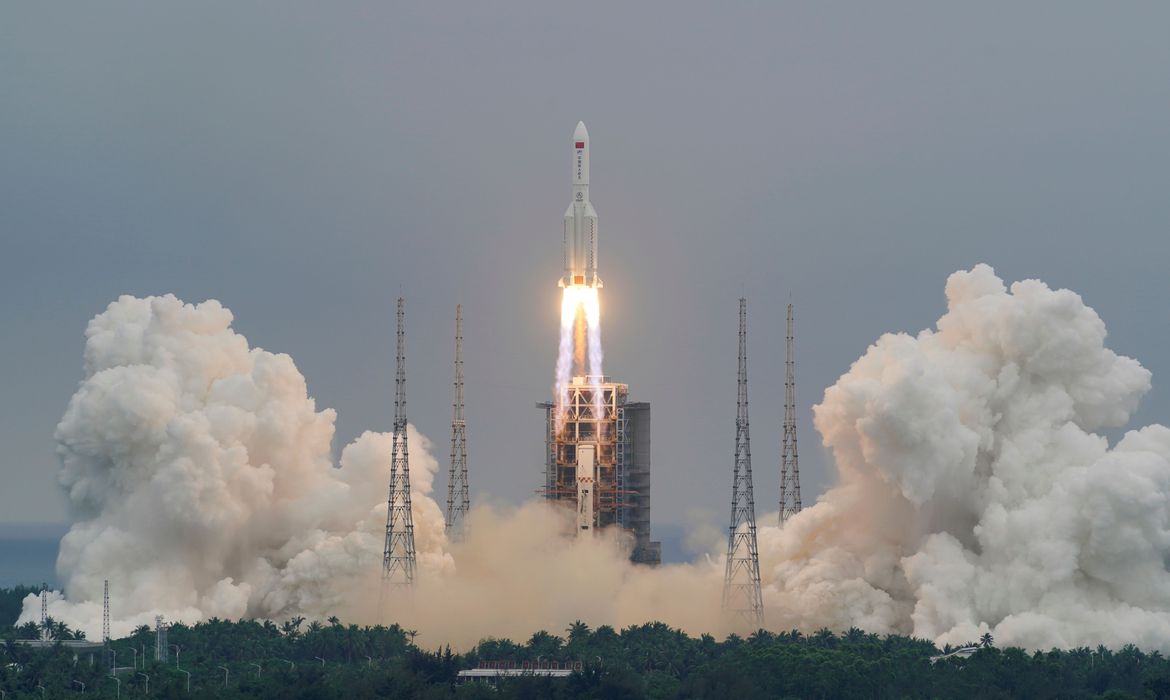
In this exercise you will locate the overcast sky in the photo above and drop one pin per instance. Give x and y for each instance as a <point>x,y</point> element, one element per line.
<point>306,163</point>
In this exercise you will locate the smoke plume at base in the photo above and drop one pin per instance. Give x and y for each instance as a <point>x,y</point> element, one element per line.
<point>973,496</point>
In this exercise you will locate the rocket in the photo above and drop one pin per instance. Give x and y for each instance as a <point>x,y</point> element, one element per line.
<point>580,221</point>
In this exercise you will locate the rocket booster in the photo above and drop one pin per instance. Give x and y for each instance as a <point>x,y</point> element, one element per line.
<point>580,221</point>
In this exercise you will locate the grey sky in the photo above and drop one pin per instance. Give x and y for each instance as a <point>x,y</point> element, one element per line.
<point>306,163</point>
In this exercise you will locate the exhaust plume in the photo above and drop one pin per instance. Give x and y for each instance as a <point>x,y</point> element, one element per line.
<point>974,495</point>
<point>579,349</point>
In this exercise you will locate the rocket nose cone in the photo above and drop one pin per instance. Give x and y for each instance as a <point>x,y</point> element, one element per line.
<point>580,134</point>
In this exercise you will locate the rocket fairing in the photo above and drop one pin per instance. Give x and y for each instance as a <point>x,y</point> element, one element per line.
<point>580,221</point>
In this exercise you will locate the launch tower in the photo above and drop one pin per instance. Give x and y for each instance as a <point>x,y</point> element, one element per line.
<point>598,463</point>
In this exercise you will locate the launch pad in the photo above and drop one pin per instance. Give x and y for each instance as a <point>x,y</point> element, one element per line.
<point>598,462</point>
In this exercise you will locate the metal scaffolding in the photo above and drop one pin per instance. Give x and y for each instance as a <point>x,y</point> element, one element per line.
<point>619,436</point>
<point>789,463</point>
<point>398,558</point>
<point>741,581</point>
<point>458,496</point>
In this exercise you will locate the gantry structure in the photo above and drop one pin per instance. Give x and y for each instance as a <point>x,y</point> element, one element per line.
<point>789,462</point>
<point>742,598</point>
<point>597,460</point>
<point>458,494</point>
<point>398,556</point>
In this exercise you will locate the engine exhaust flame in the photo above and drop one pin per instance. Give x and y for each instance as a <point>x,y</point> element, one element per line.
<point>579,352</point>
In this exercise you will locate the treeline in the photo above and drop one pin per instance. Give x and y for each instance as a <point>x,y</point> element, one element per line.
<point>300,659</point>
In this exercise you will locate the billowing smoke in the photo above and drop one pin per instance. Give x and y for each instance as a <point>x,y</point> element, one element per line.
<point>973,495</point>
<point>201,481</point>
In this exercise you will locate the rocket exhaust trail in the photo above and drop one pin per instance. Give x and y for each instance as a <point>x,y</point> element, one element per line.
<point>564,356</point>
<point>593,321</point>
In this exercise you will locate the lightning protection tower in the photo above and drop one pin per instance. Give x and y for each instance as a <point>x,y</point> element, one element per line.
<point>458,498</point>
<point>46,633</point>
<point>789,464</point>
<point>398,562</point>
<point>741,581</point>
<point>106,613</point>
<point>161,648</point>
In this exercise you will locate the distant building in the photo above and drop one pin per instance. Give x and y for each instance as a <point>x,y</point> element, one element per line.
<point>963,653</point>
<point>492,670</point>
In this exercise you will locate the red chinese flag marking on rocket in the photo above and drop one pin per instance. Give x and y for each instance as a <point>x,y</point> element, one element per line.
<point>580,144</point>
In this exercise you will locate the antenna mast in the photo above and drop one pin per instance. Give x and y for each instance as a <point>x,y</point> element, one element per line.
<point>741,582</point>
<point>790,464</point>
<point>398,562</point>
<point>458,498</point>
<point>46,633</point>
<point>161,648</point>
<point>106,613</point>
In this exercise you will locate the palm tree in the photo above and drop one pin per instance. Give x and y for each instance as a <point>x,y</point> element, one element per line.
<point>824,637</point>
<point>987,640</point>
<point>578,633</point>
<point>544,644</point>
<point>292,628</point>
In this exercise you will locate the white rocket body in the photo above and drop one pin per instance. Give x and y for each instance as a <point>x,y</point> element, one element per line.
<point>585,487</point>
<point>580,221</point>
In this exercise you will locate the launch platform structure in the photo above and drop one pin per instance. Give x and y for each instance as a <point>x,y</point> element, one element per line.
<point>789,462</point>
<point>741,582</point>
<point>458,493</point>
<point>597,461</point>
<point>398,556</point>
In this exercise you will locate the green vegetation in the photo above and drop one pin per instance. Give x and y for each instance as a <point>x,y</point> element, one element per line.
<point>296,659</point>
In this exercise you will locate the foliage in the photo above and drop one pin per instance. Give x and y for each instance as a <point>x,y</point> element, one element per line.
<point>329,659</point>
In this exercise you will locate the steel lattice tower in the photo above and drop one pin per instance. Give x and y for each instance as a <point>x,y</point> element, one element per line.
<point>741,582</point>
<point>161,648</point>
<point>789,464</point>
<point>46,633</point>
<point>106,613</point>
<point>398,562</point>
<point>458,498</point>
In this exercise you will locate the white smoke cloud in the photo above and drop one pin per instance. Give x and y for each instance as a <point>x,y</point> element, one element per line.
<point>201,481</point>
<point>200,476</point>
<point>973,496</point>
